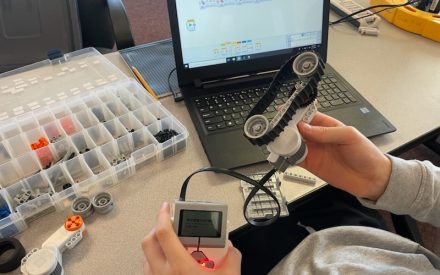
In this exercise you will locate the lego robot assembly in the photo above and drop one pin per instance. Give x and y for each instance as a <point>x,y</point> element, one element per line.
<point>48,259</point>
<point>281,134</point>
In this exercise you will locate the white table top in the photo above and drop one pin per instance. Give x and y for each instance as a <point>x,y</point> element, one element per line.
<point>398,72</point>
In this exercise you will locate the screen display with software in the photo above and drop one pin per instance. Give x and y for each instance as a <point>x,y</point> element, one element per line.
<point>220,31</point>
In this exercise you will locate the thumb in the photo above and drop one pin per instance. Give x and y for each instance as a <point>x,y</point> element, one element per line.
<point>320,134</point>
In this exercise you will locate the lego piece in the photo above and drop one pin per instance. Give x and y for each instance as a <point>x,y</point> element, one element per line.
<point>66,186</point>
<point>281,135</point>
<point>300,178</point>
<point>4,211</point>
<point>12,251</point>
<point>118,160</point>
<point>262,206</point>
<point>48,259</point>
<point>103,203</point>
<point>165,135</point>
<point>73,223</point>
<point>82,206</point>
<point>42,142</point>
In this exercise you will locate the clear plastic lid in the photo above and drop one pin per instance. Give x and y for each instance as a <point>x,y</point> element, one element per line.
<point>44,83</point>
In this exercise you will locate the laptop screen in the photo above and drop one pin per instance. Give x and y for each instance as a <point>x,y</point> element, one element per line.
<point>214,32</point>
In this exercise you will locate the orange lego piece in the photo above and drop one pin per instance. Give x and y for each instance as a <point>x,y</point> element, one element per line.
<point>41,143</point>
<point>73,223</point>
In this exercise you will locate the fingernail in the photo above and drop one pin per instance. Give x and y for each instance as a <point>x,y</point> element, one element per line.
<point>164,205</point>
<point>305,126</point>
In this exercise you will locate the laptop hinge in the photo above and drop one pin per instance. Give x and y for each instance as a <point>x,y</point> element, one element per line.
<point>233,80</point>
<point>198,83</point>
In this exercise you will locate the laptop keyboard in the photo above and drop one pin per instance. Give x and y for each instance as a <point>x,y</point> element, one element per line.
<point>230,109</point>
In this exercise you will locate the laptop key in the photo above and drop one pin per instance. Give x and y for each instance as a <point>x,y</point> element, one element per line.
<point>270,109</point>
<point>208,115</point>
<point>244,114</point>
<point>230,123</point>
<point>352,98</point>
<point>236,116</point>
<point>221,125</point>
<point>227,117</point>
<point>213,120</point>
<point>346,100</point>
<point>323,92</point>
<point>239,121</point>
<point>236,109</point>
<point>325,104</point>
<point>336,102</point>
<point>340,87</point>
<point>203,110</point>
<point>211,127</point>
<point>200,104</point>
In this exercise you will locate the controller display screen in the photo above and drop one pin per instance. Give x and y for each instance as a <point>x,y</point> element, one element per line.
<point>199,223</point>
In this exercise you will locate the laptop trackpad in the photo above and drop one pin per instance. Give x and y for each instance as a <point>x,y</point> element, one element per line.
<point>232,150</point>
<point>364,118</point>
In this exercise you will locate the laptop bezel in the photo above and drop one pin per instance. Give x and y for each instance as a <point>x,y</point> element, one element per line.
<point>233,69</point>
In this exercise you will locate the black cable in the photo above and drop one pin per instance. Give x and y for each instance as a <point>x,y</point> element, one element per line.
<point>257,186</point>
<point>365,16</point>
<point>198,245</point>
<point>386,6</point>
<point>177,97</point>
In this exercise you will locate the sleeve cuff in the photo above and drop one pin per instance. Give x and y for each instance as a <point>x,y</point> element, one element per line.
<point>402,189</point>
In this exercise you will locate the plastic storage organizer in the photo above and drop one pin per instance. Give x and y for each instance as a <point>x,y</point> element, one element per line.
<point>98,129</point>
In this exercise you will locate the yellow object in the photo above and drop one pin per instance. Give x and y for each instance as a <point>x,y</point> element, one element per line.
<point>144,83</point>
<point>411,19</point>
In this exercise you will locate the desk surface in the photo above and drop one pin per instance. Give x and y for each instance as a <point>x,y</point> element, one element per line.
<point>397,71</point>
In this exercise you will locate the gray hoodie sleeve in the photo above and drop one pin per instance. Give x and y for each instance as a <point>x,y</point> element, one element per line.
<point>413,189</point>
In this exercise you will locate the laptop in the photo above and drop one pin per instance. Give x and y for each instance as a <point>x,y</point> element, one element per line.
<point>227,52</point>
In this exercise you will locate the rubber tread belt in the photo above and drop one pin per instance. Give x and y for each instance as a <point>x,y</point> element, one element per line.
<point>305,97</point>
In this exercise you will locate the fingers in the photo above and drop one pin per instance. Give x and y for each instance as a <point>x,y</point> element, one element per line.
<point>324,120</point>
<point>167,238</point>
<point>153,253</point>
<point>332,135</point>
<point>147,268</point>
<point>233,261</point>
